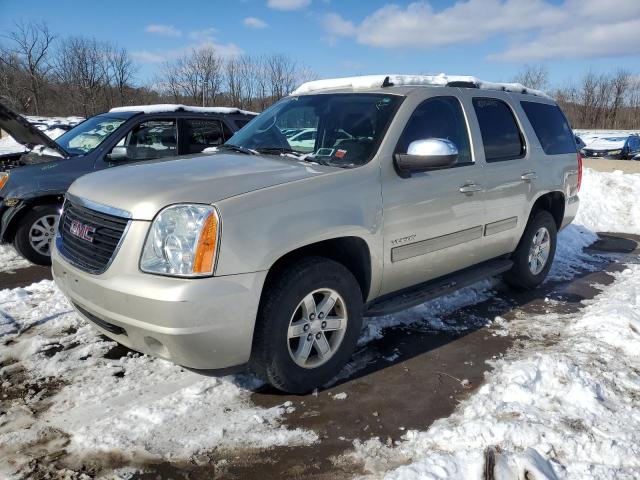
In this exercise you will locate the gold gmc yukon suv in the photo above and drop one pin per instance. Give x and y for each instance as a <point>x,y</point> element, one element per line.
<point>268,253</point>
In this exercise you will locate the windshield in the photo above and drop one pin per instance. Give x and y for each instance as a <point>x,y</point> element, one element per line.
<point>89,134</point>
<point>336,129</point>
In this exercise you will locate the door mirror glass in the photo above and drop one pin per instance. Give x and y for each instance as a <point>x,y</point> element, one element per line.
<point>426,154</point>
<point>118,154</point>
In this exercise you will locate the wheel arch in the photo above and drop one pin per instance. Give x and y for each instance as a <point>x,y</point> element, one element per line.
<point>352,252</point>
<point>554,203</point>
<point>22,209</point>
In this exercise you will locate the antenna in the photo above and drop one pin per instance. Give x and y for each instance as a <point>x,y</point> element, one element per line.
<point>387,82</point>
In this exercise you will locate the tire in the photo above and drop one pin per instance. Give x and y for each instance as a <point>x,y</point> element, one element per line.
<point>32,228</point>
<point>286,304</point>
<point>528,275</point>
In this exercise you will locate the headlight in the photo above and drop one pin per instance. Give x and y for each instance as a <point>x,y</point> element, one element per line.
<point>3,179</point>
<point>182,241</point>
<point>614,152</point>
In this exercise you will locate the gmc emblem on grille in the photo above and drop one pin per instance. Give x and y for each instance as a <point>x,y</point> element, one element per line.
<point>85,232</point>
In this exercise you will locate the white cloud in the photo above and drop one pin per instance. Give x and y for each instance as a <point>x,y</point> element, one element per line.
<point>166,30</point>
<point>159,56</point>
<point>254,22</point>
<point>577,42</point>
<point>202,35</point>
<point>288,4</point>
<point>536,29</point>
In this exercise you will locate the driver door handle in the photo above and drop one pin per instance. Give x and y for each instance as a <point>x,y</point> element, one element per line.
<point>528,176</point>
<point>470,188</point>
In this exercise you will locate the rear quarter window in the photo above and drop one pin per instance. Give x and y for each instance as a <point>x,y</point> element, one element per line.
<point>551,127</point>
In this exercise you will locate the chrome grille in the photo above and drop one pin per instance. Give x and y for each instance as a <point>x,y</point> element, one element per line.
<point>89,238</point>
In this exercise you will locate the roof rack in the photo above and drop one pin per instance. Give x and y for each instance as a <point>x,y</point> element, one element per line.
<point>386,81</point>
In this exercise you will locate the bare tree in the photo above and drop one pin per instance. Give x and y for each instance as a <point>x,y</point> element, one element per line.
<point>533,76</point>
<point>282,75</point>
<point>81,65</point>
<point>196,76</point>
<point>28,50</point>
<point>619,86</point>
<point>120,70</point>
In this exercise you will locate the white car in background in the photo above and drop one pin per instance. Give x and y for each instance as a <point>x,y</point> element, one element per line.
<point>306,138</point>
<point>303,140</point>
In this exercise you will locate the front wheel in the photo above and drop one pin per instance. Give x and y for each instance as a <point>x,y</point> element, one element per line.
<point>534,255</point>
<point>308,325</point>
<point>36,233</point>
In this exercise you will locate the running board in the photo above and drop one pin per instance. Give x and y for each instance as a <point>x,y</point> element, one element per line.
<point>412,296</point>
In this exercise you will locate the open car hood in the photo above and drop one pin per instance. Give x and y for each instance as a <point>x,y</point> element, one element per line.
<point>24,133</point>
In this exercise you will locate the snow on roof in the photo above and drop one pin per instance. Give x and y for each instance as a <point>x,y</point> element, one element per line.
<point>441,80</point>
<point>169,107</point>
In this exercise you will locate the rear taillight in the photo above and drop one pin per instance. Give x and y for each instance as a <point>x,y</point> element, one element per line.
<point>579,171</point>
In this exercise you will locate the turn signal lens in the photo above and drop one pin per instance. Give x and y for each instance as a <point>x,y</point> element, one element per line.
<point>3,179</point>
<point>206,250</point>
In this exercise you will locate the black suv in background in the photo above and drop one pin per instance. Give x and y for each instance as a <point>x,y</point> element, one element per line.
<point>33,183</point>
<point>614,147</point>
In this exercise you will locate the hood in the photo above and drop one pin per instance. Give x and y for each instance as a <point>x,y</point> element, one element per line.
<point>24,133</point>
<point>145,188</point>
<point>611,143</point>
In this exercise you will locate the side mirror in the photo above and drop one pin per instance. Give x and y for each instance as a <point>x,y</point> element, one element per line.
<point>425,155</point>
<point>118,154</point>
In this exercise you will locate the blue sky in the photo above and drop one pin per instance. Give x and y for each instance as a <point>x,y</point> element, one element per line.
<point>491,39</point>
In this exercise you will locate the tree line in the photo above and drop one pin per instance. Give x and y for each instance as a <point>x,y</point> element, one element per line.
<point>595,100</point>
<point>43,74</point>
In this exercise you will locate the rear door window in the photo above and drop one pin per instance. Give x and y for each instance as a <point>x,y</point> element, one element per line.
<point>551,127</point>
<point>501,135</point>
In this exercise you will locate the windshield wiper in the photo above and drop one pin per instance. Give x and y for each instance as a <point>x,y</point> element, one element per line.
<point>237,148</point>
<point>277,150</point>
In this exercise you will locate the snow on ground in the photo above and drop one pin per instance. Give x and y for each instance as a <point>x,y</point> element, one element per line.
<point>610,202</point>
<point>10,260</point>
<point>67,390</point>
<point>563,410</point>
<point>9,145</point>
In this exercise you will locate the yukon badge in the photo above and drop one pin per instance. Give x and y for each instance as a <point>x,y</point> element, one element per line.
<point>80,230</point>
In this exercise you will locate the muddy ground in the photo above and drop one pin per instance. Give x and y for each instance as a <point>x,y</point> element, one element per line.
<point>411,377</point>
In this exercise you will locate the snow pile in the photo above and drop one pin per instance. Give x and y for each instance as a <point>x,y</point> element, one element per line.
<point>569,409</point>
<point>441,80</point>
<point>610,202</point>
<point>104,405</point>
<point>50,126</point>
<point>8,145</point>
<point>169,107</point>
<point>10,260</point>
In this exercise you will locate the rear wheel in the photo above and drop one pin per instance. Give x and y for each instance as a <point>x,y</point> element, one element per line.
<point>308,325</point>
<point>534,255</point>
<point>36,233</point>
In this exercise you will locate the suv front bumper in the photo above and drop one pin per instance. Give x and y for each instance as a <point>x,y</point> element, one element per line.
<point>204,323</point>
